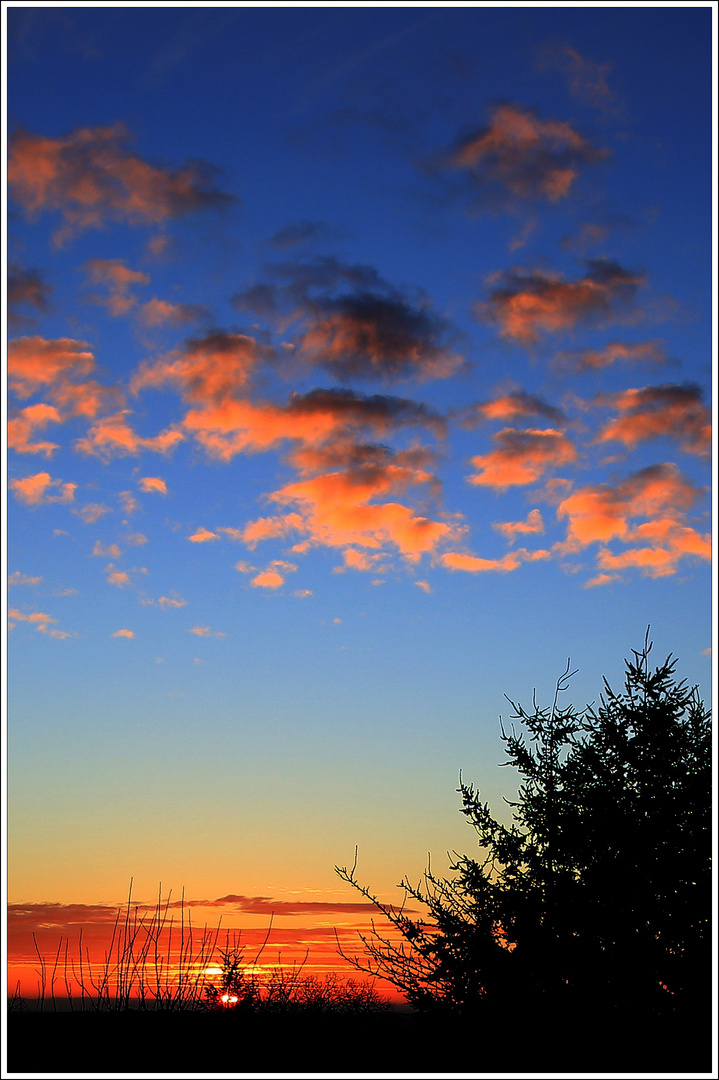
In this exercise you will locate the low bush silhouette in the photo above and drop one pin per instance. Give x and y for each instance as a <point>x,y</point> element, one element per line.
<point>593,905</point>
<point>157,962</point>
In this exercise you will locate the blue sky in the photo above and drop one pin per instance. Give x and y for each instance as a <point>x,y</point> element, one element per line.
<point>360,372</point>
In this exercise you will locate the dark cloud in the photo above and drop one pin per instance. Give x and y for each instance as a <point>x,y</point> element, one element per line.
<point>299,233</point>
<point>369,329</point>
<point>366,335</point>
<point>375,409</point>
<point>25,288</point>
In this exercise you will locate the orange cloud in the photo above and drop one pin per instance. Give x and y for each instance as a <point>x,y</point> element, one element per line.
<point>601,579</point>
<point>157,312</point>
<point>523,455</point>
<point>33,490</point>
<point>668,542</point>
<point>202,536</point>
<point>123,633</point>
<point>200,631</point>
<point>514,405</point>
<point>268,579</point>
<point>473,564</point>
<point>213,375</point>
<point>92,512</point>
<point>112,550</point>
<point>113,437</point>
<point>602,513</point>
<point>424,586</point>
<point>22,427</point>
<point>171,602</point>
<point>531,302</point>
<point>207,370</point>
<point>647,352</point>
<point>654,411</point>
<point>523,155</point>
<point>270,527</point>
<point>92,178</point>
<point>511,529</point>
<point>119,279</point>
<point>153,483</point>
<point>18,578</point>
<point>116,577</point>
<point>35,363</point>
<point>40,621</point>
<point>335,511</point>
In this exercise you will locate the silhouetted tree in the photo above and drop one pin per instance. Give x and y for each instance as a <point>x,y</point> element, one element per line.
<point>598,895</point>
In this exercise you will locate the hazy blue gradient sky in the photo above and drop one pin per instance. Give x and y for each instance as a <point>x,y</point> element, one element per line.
<point>359,374</point>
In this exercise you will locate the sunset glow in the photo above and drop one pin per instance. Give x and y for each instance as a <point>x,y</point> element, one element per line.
<point>359,373</point>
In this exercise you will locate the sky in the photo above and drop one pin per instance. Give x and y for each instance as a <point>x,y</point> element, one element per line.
<point>359,374</point>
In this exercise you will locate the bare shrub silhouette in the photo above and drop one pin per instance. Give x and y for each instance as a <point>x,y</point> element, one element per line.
<point>154,964</point>
<point>596,899</point>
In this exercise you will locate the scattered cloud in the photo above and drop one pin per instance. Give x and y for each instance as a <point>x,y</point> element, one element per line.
<point>18,578</point>
<point>120,578</point>
<point>92,512</point>
<point>123,633</point>
<point>453,560</point>
<point>153,483</point>
<point>25,288</point>
<point>22,426</point>
<point>40,621</point>
<point>268,579</point>
<point>511,529</point>
<point>58,368</point>
<point>159,312</point>
<point>643,352</point>
<point>118,280</point>
<point>202,536</point>
<point>512,405</point>
<point>334,509</point>
<point>353,323</point>
<point>601,513</point>
<point>528,303</point>
<point>522,456</point>
<point>651,412</point>
<point>35,490</point>
<point>92,178</point>
<point>520,156</point>
<point>586,79</point>
<point>112,551</point>
<point>113,437</point>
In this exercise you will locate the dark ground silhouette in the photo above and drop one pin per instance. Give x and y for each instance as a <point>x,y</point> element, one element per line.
<point>176,1042</point>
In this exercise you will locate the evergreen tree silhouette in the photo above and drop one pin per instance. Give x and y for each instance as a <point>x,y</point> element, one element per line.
<point>596,899</point>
